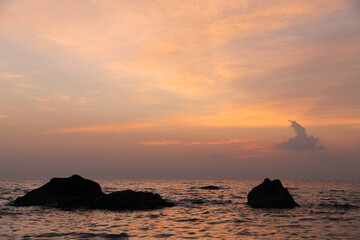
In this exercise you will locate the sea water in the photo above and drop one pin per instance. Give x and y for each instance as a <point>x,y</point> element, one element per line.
<point>329,210</point>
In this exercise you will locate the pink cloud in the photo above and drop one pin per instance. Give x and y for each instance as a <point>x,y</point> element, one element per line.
<point>154,143</point>
<point>114,128</point>
<point>199,142</point>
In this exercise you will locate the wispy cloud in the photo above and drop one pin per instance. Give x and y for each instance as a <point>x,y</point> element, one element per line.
<point>92,92</point>
<point>216,55</point>
<point>255,146</point>
<point>25,85</point>
<point>229,141</point>
<point>45,108</point>
<point>41,99</point>
<point>62,97</point>
<point>3,116</point>
<point>88,109</point>
<point>198,142</point>
<point>110,128</point>
<point>7,75</point>
<point>154,143</point>
<point>81,100</point>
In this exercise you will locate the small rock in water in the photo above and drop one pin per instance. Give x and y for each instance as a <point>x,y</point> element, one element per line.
<point>198,201</point>
<point>77,192</point>
<point>270,194</point>
<point>211,187</point>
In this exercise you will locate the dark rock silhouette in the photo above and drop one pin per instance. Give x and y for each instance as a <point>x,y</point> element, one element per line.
<point>77,192</point>
<point>71,192</point>
<point>270,194</point>
<point>211,187</point>
<point>124,200</point>
<point>198,201</point>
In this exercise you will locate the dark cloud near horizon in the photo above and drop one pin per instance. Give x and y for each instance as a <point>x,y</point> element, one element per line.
<point>302,141</point>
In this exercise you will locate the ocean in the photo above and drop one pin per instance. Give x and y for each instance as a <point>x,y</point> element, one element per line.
<point>329,210</point>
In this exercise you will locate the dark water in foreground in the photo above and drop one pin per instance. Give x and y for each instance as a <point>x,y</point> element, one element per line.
<point>330,210</point>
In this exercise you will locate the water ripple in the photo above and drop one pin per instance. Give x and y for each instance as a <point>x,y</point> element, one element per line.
<point>329,211</point>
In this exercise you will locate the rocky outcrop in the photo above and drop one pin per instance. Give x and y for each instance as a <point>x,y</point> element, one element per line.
<point>77,192</point>
<point>125,200</point>
<point>270,194</point>
<point>72,192</point>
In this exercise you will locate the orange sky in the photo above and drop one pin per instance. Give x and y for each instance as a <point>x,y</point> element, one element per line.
<point>179,89</point>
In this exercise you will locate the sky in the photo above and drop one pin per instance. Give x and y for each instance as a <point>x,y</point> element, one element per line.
<point>158,89</point>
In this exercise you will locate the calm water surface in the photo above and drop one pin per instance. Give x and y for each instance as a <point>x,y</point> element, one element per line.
<point>329,210</point>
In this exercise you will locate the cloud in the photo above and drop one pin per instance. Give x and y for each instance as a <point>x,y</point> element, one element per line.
<point>114,128</point>
<point>226,142</point>
<point>41,99</point>
<point>88,109</point>
<point>153,143</point>
<point>61,97</point>
<point>93,92</point>
<point>6,75</point>
<point>45,108</point>
<point>301,142</point>
<point>214,63</point>
<point>3,116</point>
<point>28,86</point>
<point>81,100</point>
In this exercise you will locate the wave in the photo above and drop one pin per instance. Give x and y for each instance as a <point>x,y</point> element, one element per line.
<point>187,220</point>
<point>79,235</point>
<point>7,211</point>
<point>197,201</point>
<point>346,206</point>
<point>342,219</point>
<point>164,235</point>
<point>337,190</point>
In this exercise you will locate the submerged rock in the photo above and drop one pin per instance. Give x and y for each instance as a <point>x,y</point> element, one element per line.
<point>71,192</point>
<point>270,194</point>
<point>211,187</point>
<point>198,201</point>
<point>77,192</point>
<point>125,200</point>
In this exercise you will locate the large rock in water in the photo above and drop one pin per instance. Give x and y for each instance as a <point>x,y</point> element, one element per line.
<point>77,192</point>
<point>270,194</point>
<point>128,199</point>
<point>72,192</point>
